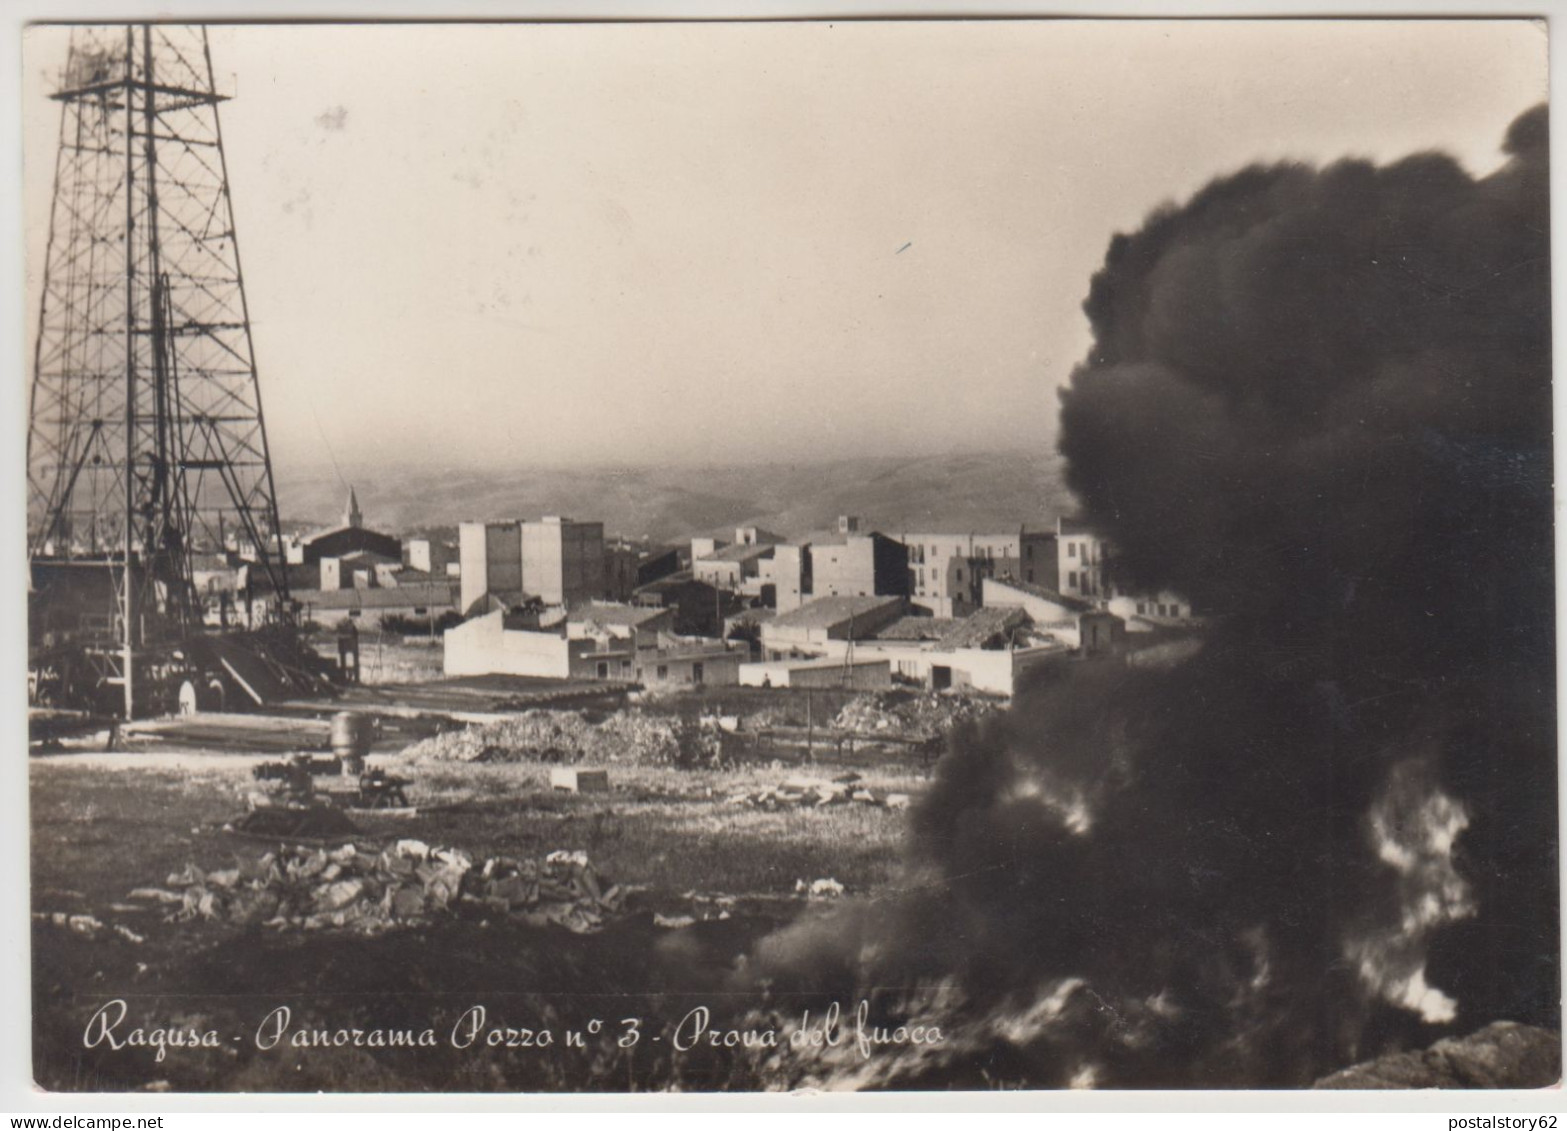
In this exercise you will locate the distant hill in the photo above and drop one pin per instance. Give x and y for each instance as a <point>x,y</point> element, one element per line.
<point>956,492</point>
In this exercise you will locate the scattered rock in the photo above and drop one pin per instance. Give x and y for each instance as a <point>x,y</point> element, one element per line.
<point>1504,1054</point>
<point>298,888</point>
<point>820,889</point>
<point>802,793</point>
<point>160,895</point>
<point>88,926</point>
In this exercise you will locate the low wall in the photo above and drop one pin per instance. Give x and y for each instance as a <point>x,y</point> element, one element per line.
<point>863,675</point>
<point>982,669</point>
<point>482,647</point>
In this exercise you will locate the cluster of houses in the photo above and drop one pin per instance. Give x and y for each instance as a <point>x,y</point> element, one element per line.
<point>843,606</point>
<point>345,573</point>
<point>840,607</point>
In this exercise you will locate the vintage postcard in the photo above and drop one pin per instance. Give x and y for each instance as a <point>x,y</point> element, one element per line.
<point>844,555</point>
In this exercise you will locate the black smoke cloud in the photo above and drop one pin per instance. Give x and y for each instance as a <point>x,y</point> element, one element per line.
<point>1318,402</point>
<point>1318,405</point>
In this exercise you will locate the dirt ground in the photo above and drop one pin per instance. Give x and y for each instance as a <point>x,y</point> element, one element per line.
<point>105,824</point>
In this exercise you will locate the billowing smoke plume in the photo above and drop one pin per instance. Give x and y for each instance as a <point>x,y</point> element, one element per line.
<point>1318,405</point>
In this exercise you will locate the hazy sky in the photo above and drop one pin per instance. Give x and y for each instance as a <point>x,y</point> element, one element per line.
<point>625,243</point>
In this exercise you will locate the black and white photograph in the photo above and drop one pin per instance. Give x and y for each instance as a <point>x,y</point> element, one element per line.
<point>795,555</point>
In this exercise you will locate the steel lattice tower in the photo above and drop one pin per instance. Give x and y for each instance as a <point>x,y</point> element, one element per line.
<point>146,440</point>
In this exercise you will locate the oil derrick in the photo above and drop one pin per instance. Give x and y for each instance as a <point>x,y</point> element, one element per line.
<point>146,442</point>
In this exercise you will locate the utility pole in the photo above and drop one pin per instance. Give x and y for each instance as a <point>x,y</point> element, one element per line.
<point>848,655</point>
<point>810,747</point>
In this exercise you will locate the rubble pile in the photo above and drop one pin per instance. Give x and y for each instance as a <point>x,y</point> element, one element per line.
<point>558,736</point>
<point>811,793</point>
<point>369,891</point>
<point>563,889</point>
<point>907,714</point>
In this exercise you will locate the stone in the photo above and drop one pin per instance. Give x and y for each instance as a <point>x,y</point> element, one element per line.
<point>1504,1054</point>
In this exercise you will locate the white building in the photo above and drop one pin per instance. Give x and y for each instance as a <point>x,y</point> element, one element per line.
<point>809,629</point>
<point>947,571</point>
<point>1082,557</point>
<point>559,561</point>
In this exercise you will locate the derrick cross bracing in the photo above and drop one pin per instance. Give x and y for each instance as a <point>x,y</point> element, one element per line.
<point>146,442</point>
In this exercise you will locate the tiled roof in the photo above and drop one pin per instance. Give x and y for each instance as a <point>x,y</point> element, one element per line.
<point>397,597</point>
<point>615,616</point>
<point>916,628</point>
<point>1072,603</point>
<point>318,534</point>
<point>983,626</point>
<point>824,612</point>
<point>751,616</point>
<point>365,557</point>
<point>674,580</point>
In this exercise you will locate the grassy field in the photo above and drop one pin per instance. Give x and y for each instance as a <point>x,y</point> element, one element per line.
<point>99,832</point>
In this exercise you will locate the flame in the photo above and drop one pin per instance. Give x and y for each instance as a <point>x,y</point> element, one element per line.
<point>1413,827</point>
<point>1067,806</point>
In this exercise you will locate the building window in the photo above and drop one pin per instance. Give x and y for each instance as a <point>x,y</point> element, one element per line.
<point>1071,579</point>
<point>1071,549</point>
<point>353,613</point>
<point>1029,553</point>
<point>420,610</point>
<point>960,575</point>
<point>696,673</point>
<point>1029,576</point>
<point>663,671</point>
<point>603,670</point>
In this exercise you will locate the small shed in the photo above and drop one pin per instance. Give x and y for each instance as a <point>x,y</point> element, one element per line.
<point>1101,633</point>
